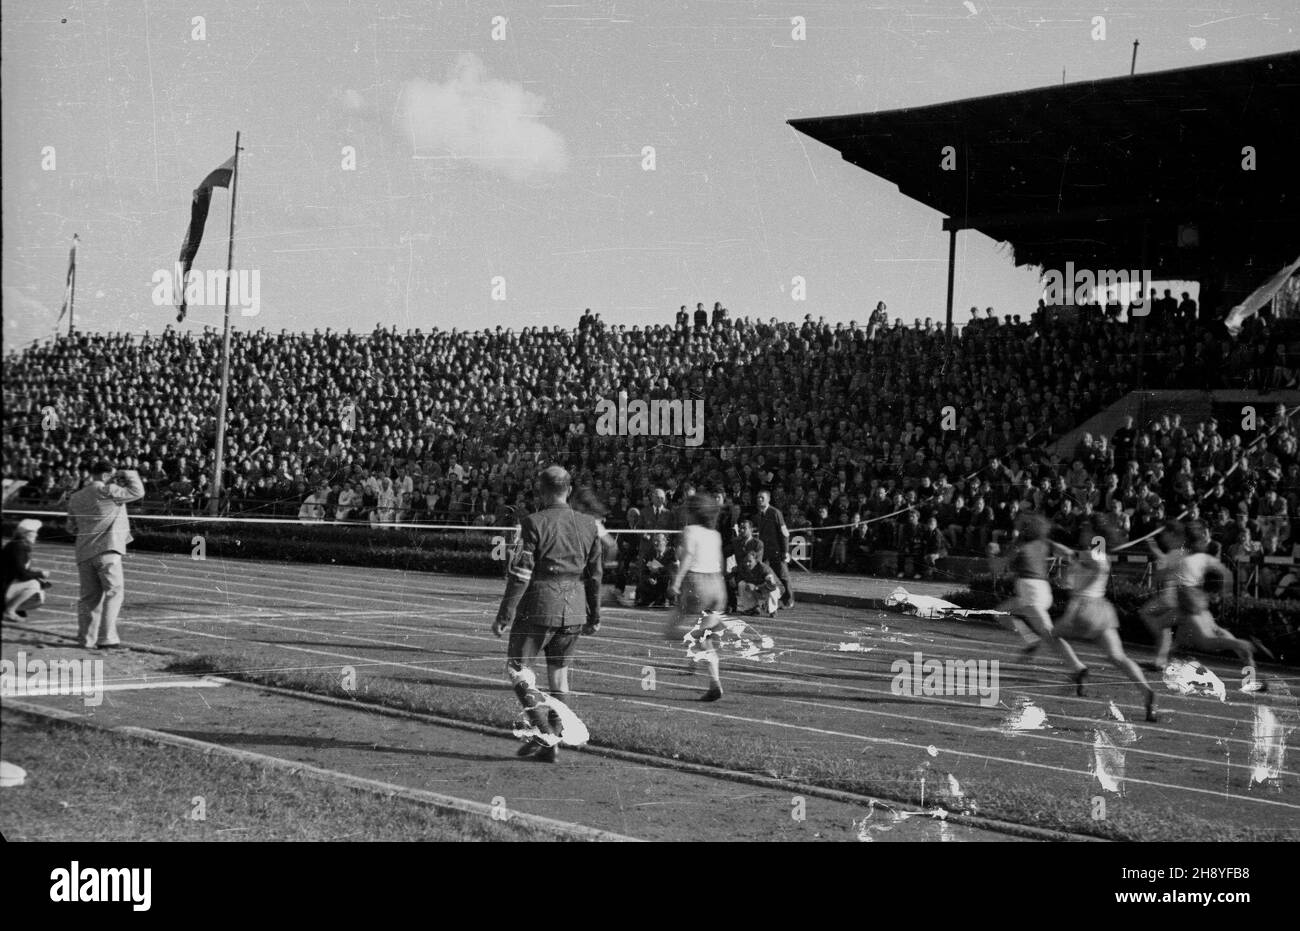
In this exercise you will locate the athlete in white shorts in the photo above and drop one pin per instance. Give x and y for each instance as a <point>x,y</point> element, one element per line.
<point>1028,610</point>
<point>1090,616</point>
<point>699,587</point>
<point>1195,622</point>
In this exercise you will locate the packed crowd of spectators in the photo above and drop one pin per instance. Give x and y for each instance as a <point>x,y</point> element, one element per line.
<point>844,423</point>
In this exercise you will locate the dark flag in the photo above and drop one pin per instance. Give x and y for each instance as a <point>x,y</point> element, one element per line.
<point>72,277</point>
<point>198,218</point>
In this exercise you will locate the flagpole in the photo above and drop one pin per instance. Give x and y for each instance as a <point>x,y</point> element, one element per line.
<point>215,503</point>
<point>72,295</point>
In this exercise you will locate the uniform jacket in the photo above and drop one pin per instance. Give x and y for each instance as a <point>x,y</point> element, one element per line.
<point>740,547</point>
<point>555,579</point>
<point>97,515</point>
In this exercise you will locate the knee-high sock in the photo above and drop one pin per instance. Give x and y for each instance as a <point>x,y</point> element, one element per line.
<point>530,698</point>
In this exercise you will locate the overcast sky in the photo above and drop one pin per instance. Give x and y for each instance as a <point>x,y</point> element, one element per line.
<point>521,157</point>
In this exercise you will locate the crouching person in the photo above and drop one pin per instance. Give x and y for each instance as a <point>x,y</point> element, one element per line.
<point>758,590</point>
<point>24,586</point>
<point>552,595</point>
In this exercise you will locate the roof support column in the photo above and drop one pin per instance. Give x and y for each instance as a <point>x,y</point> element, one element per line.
<point>952,262</point>
<point>1142,321</point>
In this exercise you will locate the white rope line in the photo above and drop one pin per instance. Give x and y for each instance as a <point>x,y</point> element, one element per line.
<point>302,522</point>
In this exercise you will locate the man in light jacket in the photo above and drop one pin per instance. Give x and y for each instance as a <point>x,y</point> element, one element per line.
<point>97,517</point>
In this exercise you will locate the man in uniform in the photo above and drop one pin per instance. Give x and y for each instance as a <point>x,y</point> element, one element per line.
<point>552,595</point>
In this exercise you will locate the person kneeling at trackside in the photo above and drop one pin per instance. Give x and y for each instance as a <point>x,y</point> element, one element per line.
<point>758,590</point>
<point>22,584</point>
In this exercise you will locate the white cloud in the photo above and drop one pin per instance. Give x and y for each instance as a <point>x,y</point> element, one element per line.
<point>492,124</point>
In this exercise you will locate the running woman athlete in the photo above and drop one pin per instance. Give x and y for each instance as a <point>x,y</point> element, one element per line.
<point>1028,610</point>
<point>1090,616</point>
<point>703,592</point>
<point>1160,613</point>
<point>1196,624</point>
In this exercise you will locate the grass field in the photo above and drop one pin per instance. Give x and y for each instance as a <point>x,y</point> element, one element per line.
<point>88,785</point>
<point>816,715</point>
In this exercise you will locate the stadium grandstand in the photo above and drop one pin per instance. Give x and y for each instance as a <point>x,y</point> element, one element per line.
<point>854,426</point>
<point>842,422</point>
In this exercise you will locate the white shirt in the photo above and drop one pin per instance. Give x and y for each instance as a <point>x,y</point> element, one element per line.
<point>1090,563</point>
<point>1193,567</point>
<point>703,547</point>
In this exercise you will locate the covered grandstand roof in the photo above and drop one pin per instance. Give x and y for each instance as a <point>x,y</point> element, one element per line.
<point>1075,172</point>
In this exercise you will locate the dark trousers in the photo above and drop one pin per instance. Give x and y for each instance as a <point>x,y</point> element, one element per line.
<point>526,641</point>
<point>782,570</point>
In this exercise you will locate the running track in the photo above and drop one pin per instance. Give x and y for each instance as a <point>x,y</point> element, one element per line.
<point>425,628</point>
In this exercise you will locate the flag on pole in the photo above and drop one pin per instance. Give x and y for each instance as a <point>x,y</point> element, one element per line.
<point>72,275</point>
<point>220,177</point>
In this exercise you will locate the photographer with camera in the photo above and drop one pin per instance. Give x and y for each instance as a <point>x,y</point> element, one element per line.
<point>97,517</point>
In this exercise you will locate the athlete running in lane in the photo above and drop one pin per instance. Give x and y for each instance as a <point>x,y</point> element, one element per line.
<point>1090,616</point>
<point>1028,610</point>
<point>1160,613</point>
<point>1196,626</point>
<point>703,592</point>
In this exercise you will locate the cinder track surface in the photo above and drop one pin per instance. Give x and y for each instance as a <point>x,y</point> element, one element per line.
<point>429,629</point>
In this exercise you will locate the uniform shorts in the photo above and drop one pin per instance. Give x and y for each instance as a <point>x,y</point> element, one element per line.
<point>527,640</point>
<point>1200,625</point>
<point>1086,618</point>
<point>1035,594</point>
<point>703,591</point>
<point>1160,611</point>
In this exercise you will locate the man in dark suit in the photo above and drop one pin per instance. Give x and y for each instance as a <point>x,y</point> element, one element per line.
<point>552,595</point>
<point>770,524</point>
<point>660,568</point>
<point>658,518</point>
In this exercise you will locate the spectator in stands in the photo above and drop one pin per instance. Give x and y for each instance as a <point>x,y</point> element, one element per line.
<point>655,574</point>
<point>839,397</point>
<point>908,543</point>
<point>313,508</point>
<point>933,546</point>
<point>349,502</point>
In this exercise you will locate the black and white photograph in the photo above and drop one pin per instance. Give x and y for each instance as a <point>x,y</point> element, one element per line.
<point>727,421</point>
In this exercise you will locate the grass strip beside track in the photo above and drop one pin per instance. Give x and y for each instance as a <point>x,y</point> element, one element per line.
<point>87,784</point>
<point>632,730</point>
